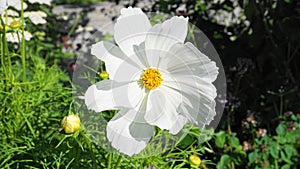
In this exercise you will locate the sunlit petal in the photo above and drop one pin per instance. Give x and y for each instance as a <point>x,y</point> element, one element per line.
<point>161,107</point>
<point>161,37</point>
<point>198,96</point>
<point>186,59</point>
<point>130,29</point>
<point>178,125</point>
<point>109,95</point>
<point>115,61</point>
<point>127,134</point>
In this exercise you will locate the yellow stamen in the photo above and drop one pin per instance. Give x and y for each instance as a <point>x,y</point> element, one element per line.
<point>151,78</point>
<point>15,24</point>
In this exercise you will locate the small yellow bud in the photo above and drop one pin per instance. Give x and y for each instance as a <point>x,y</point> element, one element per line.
<point>104,75</point>
<point>15,24</point>
<point>194,159</point>
<point>71,123</point>
<point>5,28</point>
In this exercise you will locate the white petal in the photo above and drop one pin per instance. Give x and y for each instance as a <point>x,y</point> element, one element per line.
<point>162,36</point>
<point>198,104</point>
<point>12,13</point>
<point>27,35</point>
<point>118,65</point>
<point>14,36</point>
<point>161,107</point>
<point>186,59</point>
<point>47,2</point>
<point>178,125</point>
<point>16,4</point>
<point>126,135</point>
<point>141,54</point>
<point>3,5</point>
<point>9,20</point>
<point>130,29</point>
<point>201,116</point>
<point>110,95</point>
<point>36,17</point>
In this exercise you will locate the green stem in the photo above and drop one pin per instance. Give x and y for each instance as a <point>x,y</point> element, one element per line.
<point>23,42</point>
<point>93,158</point>
<point>277,149</point>
<point>191,31</point>
<point>232,165</point>
<point>75,24</point>
<point>276,164</point>
<point>3,51</point>
<point>7,55</point>
<point>281,105</point>
<point>228,119</point>
<point>109,161</point>
<point>5,47</point>
<point>118,162</point>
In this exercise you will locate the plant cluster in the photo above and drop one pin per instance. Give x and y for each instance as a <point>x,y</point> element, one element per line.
<point>258,43</point>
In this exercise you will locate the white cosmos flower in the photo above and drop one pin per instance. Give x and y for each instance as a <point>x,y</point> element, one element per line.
<point>36,17</point>
<point>47,2</point>
<point>15,37</point>
<point>155,80</point>
<point>16,4</point>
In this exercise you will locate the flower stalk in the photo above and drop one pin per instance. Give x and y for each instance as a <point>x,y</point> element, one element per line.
<point>118,161</point>
<point>23,42</point>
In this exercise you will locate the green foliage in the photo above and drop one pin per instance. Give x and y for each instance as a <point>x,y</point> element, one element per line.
<point>158,18</point>
<point>220,139</point>
<point>266,151</point>
<point>279,150</point>
<point>233,151</point>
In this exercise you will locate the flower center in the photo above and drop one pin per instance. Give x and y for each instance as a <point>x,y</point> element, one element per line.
<point>151,78</point>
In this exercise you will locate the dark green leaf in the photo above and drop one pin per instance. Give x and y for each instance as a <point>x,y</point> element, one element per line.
<point>287,1</point>
<point>218,36</point>
<point>252,157</point>
<point>289,150</point>
<point>220,139</point>
<point>234,142</point>
<point>281,129</point>
<point>290,137</point>
<point>187,141</point>
<point>273,151</point>
<point>225,160</point>
<point>286,166</point>
<point>284,158</point>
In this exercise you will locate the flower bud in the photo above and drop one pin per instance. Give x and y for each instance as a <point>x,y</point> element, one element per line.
<point>194,159</point>
<point>71,123</point>
<point>5,28</point>
<point>40,35</point>
<point>104,75</point>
